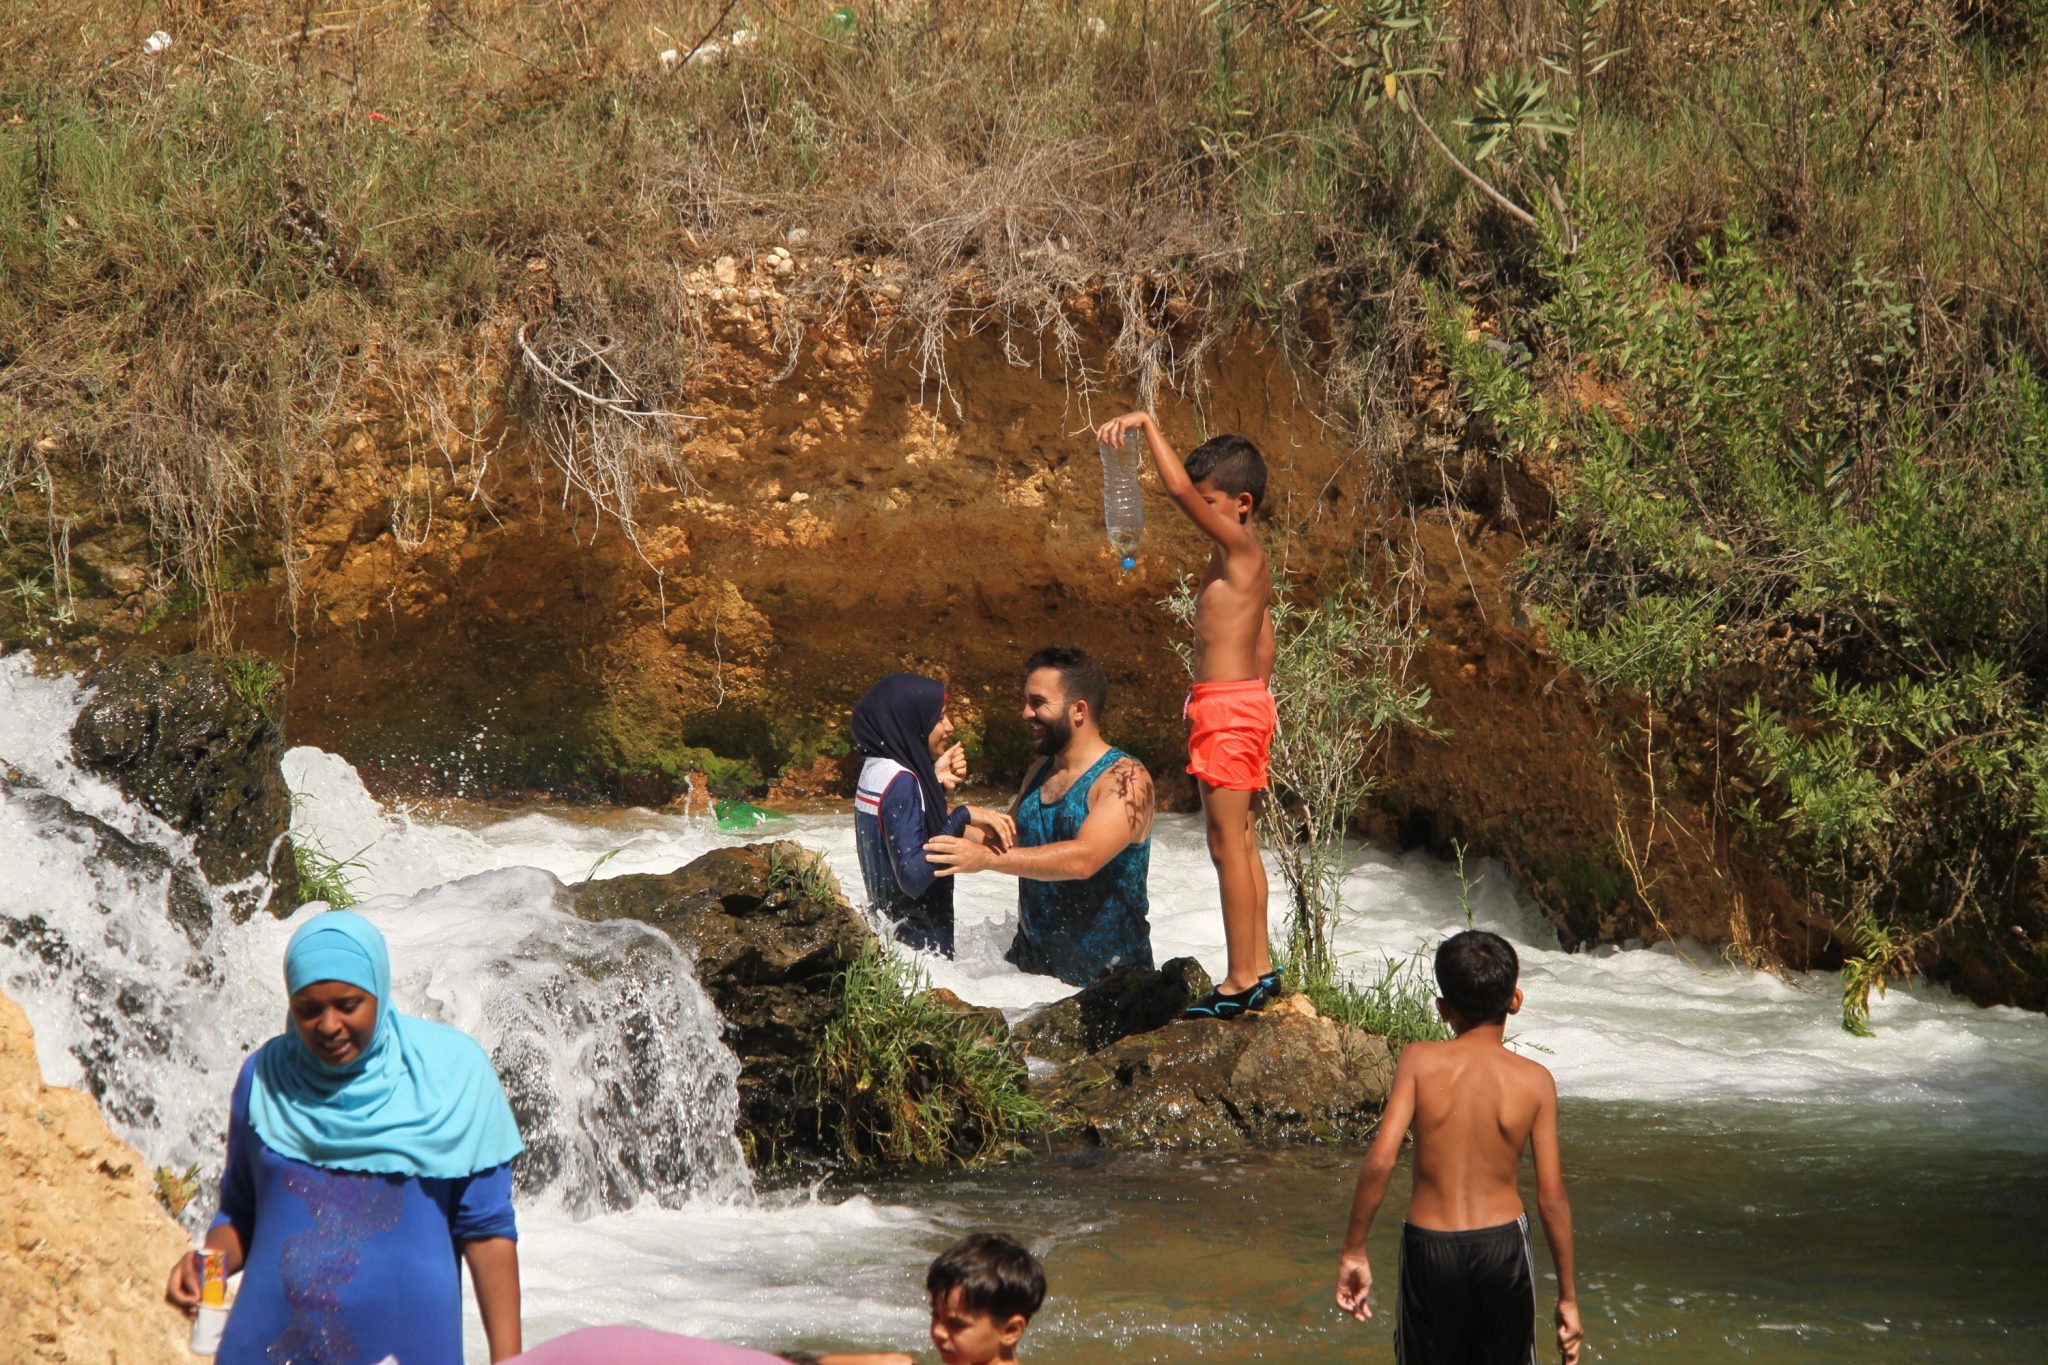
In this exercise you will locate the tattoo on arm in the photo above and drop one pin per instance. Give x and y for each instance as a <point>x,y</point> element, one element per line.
<point>1134,791</point>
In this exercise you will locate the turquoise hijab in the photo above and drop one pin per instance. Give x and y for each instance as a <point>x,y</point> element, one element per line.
<point>421,1100</point>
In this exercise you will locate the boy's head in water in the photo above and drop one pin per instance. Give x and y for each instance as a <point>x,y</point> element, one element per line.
<point>1476,972</point>
<point>1230,474</point>
<point>984,1289</point>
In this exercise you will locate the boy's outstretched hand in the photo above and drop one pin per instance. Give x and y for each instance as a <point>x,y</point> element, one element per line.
<point>1354,1282</point>
<point>1113,432</point>
<point>1569,1333</point>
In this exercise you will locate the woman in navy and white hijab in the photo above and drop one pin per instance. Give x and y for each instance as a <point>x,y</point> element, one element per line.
<point>902,730</point>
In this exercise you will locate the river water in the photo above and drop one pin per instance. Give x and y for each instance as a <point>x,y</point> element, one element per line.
<point>1750,1183</point>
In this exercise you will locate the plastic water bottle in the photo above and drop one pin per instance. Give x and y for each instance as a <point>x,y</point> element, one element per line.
<point>1123,510</point>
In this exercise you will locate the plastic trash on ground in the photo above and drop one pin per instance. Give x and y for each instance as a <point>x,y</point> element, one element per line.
<point>734,814</point>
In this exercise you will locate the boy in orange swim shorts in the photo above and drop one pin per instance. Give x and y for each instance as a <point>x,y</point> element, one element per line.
<point>1230,712</point>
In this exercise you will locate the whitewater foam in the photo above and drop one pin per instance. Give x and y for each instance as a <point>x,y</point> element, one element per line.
<point>123,1000</point>
<point>143,991</point>
<point>1673,1023</point>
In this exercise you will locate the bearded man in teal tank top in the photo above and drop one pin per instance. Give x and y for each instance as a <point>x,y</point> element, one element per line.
<point>1084,833</point>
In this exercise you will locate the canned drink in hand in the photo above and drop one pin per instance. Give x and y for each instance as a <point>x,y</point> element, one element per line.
<point>213,1278</point>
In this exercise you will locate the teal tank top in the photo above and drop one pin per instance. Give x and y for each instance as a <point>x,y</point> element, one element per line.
<point>1076,930</point>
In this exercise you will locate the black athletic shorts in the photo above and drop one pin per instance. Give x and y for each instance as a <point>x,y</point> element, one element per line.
<point>1467,1298</point>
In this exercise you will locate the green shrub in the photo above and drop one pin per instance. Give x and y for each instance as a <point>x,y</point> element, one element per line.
<point>804,874</point>
<point>1802,521</point>
<point>175,1189</point>
<point>257,682</point>
<point>323,877</point>
<point>1398,1004</point>
<point>904,1080</point>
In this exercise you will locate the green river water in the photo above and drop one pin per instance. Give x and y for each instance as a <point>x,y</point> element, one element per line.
<point>1761,1233</point>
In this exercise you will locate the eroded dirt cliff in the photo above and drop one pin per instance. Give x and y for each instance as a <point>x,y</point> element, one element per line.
<point>844,506</point>
<point>834,516</point>
<point>88,1245</point>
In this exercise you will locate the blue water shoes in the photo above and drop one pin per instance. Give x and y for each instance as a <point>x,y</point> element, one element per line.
<point>1219,1005</point>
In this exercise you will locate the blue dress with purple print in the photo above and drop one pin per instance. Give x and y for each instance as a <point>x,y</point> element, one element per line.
<point>345,1268</point>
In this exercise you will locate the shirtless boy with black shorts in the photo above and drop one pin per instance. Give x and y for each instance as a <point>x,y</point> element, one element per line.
<point>1468,1287</point>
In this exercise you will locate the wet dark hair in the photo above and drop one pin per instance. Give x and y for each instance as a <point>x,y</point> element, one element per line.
<point>1232,464</point>
<point>1477,971</point>
<point>994,1274</point>
<point>1080,675</point>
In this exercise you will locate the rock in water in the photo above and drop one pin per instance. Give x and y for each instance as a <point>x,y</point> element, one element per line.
<point>1117,1004</point>
<point>175,735</point>
<point>1285,1076</point>
<point>770,933</point>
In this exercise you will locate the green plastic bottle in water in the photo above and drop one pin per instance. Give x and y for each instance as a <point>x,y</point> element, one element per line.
<point>734,814</point>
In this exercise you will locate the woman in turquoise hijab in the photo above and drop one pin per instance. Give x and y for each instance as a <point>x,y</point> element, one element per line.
<point>367,1151</point>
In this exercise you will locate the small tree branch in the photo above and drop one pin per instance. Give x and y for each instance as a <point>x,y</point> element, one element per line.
<point>1514,210</point>
<point>1564,214</point>
<point>712,32</point>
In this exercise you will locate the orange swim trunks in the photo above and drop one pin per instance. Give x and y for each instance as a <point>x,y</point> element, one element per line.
<point>1230,733</point>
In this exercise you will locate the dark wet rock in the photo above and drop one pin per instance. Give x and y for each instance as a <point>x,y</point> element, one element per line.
<point>1285,1076</point>
<point>117,862</point>
<point>1118,1004</point>
<point>177,736</point>
<point>124,1026</point>
<point>769,935</point>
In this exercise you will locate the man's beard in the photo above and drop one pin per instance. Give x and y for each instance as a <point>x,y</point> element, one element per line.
<point>1053,736</point>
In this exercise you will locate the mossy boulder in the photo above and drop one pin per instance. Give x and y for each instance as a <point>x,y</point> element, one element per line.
<point>194,742</point>
<point>770,934</point>
<point>1282,1077</point>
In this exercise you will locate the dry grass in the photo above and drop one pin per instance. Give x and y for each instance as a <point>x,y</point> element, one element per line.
<point>300,206</point>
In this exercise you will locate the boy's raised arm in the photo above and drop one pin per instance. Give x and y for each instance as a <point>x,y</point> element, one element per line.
<point>1557,1219</point>
<point>1234,536</point>
<point>1354,1271</point>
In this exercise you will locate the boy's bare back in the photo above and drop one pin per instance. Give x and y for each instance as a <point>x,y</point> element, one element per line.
<point>1476,1106</point>
<point>1473,1108</point>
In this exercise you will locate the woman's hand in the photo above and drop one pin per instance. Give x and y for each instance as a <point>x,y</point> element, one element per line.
<point>182,1293</point>
<point>998,828</point>
<point>951,767</point>
<point>187,1276</point>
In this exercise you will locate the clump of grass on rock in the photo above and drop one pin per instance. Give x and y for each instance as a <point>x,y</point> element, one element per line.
<point>905,1080</point>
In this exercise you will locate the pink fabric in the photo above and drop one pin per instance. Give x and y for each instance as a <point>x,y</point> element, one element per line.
<point>638,1346</point>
